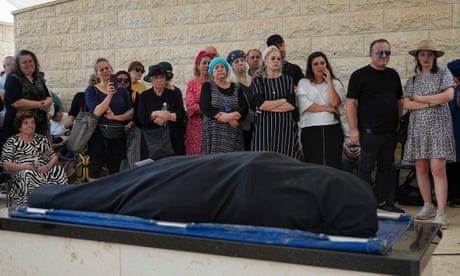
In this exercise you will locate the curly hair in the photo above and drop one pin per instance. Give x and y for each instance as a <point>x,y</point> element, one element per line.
<point>21,116</point>
<point>16,69</point>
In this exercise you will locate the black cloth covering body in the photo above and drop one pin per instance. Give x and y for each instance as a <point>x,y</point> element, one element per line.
<point>261,189</point>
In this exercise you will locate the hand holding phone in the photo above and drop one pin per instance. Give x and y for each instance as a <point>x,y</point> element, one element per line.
<point>114,81</point>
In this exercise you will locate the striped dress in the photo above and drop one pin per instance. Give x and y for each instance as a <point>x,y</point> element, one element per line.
<point>275,131</point>
<point>37,151</point>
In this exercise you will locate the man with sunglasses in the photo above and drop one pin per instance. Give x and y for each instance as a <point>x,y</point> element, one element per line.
<point>374,107</point>
<point>136,70</point>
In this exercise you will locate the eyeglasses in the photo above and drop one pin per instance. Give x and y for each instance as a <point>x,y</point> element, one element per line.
<point>120,80</point>
<point>139,69</point>
<point>380,53</point>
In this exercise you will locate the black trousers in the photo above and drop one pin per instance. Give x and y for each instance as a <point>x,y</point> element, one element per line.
<point>323,145</point>
<point>453,179</point>
<point>378,149</point>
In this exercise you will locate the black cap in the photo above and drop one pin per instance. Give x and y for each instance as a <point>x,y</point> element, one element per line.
<point>274,40</point>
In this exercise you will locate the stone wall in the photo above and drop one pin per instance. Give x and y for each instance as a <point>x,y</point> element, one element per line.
<point>6,40</point>
<point>68,36</point>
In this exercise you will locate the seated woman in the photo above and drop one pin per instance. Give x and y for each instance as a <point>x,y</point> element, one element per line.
<point>30,159</point>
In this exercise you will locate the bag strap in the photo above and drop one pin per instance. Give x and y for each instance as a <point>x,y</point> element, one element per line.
<point>85,107</point>
<point>133,97</point>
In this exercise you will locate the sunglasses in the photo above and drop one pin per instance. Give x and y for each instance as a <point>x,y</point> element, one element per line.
<point>380,53</point>
<point>120,80</point>
<point>275,58</point>
<point>139,69</point>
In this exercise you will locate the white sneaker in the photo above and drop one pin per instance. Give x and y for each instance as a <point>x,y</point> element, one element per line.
<point>441,218</point>
<point>427,211</point>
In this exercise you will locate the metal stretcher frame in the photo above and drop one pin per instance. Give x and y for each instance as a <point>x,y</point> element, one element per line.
<point>390,229</point>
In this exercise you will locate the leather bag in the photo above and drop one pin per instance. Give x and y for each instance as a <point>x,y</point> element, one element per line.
<point>112,132</point>
<point>158,142</point>
<point>83,128</point>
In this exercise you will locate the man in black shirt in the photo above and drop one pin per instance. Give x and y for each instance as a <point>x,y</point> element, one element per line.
<point>374,107</point>
<point>290,69</point>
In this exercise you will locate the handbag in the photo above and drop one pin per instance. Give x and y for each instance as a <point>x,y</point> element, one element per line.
<point>158,142</point>
<point>248,120</point>
<point>112,132</point>
<point>408,192</point>
<point>401,134</point>
<point>83,128</point>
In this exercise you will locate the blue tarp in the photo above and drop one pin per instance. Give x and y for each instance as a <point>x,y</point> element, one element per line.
<point>390,229</point>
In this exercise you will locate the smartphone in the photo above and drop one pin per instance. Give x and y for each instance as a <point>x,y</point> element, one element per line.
<point>113,79</point>
<point>353,148</point>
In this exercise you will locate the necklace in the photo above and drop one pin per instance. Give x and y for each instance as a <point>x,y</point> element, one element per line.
<point>271,86</point>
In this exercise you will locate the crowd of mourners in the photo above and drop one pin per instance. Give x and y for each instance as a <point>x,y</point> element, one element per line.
<point>251,100</point>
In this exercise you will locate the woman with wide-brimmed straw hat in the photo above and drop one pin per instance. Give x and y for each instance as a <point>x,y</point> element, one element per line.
<point>430,141</point>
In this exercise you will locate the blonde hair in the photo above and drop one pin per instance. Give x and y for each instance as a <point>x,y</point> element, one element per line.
<point>234,77</point>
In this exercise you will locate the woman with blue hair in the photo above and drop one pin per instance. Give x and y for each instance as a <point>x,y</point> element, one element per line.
<point>223,105</point>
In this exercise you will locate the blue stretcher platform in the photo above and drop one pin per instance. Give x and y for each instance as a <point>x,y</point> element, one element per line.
<point>392,251</point>
<point>390,229</point>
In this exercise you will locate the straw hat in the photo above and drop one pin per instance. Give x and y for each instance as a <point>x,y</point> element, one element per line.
<point>426,45</point>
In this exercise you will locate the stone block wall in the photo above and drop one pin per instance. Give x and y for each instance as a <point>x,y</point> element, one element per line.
<point>6,41</point>
<point>69,35</point>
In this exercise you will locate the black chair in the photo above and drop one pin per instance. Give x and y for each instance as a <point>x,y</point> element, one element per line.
<point>5,185</point>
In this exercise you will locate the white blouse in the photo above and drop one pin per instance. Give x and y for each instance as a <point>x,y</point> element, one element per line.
<point>309,93</point>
